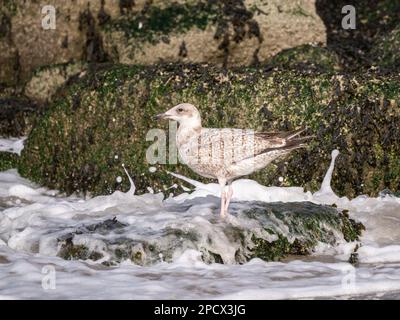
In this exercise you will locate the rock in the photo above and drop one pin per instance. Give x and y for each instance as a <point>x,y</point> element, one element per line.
<point>269,231</point>
<point>222,32</point>
<point>307,57</point>
<point>100,121</point>
<point>9,64</point>
<point>230,32</point>
<point>374,19</point>
<point>75,34</point>
<point>17,115</point>
<point>9,57</point>
<point>46,80</point>
<point>387,50</point>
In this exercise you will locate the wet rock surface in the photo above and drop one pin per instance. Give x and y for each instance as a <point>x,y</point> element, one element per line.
<point>269,231</point>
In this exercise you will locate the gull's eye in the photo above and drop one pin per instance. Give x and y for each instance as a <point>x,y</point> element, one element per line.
<point>180,110</point>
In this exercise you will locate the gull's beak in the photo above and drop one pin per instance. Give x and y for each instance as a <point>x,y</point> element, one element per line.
<point>159,116</point>
<point>162,116</point>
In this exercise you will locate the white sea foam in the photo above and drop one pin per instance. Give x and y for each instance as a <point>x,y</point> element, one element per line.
<point>32,216</point>
<point>14,145</point>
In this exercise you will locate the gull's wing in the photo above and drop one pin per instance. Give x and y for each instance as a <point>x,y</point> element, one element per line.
<point>231,146</point>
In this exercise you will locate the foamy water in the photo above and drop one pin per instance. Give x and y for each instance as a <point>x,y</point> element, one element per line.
<point>12,144</point>
<point>32,218</point>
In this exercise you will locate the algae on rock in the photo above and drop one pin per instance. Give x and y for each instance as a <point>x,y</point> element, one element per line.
<point>17,115</point>
<point>311,58</point>
<point>100,122</point>
<point>8,160</point>
<point>375,19</point>
<point>387,50</point>
<point>227,32</point>
<point>277,230</point>
<point>143,31</point>
<point>46,80</point>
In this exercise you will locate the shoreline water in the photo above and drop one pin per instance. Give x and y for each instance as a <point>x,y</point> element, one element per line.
<point>31,216</point>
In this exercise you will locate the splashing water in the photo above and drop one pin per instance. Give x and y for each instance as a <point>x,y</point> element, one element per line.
<point>32,219</point>
<point>326,188</point>
<point>132,189</point>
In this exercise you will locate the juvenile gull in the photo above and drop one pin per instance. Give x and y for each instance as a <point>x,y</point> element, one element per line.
<point>226,154</point>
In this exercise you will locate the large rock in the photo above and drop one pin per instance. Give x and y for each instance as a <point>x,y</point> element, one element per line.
<point>47,80</point>
<point>387,49</point>
<point>307,58</point>
<point>9,57</point>
<point>9,64</point>
<point>76,35</point>
<point>100,122</point>
<point>269,231</point>
<point>141,31</point>
<point>224,32</point>
<point>374,19</point>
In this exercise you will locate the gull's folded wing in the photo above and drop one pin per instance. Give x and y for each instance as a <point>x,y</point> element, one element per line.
<point>233,145</point>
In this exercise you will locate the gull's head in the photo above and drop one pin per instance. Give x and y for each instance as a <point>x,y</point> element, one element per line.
<point>184,113</point>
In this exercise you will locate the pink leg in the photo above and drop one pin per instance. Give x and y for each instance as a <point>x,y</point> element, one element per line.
<point>228,198</point>
<point>222,183</point>
<point>223,201</point>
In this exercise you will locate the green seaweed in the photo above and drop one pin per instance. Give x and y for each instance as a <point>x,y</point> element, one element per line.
<point>307,57</point>
<point>290,229</point>
<point>386,50</point>
<point>8,160</point>
<point>172,19</point>
<point>108,112</point>
<point>307,226</point>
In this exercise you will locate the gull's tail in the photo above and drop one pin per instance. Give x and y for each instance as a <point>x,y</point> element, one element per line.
<point>292,134</point>
<point>300,142</point>
<point>291,141</point>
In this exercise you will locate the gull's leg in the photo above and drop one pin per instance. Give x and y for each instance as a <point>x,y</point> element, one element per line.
<point>222,183</point>
<point>223,201</point>
<point>228,197</point>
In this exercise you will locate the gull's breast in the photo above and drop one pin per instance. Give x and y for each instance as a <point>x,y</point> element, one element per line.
<point>213,152</point>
